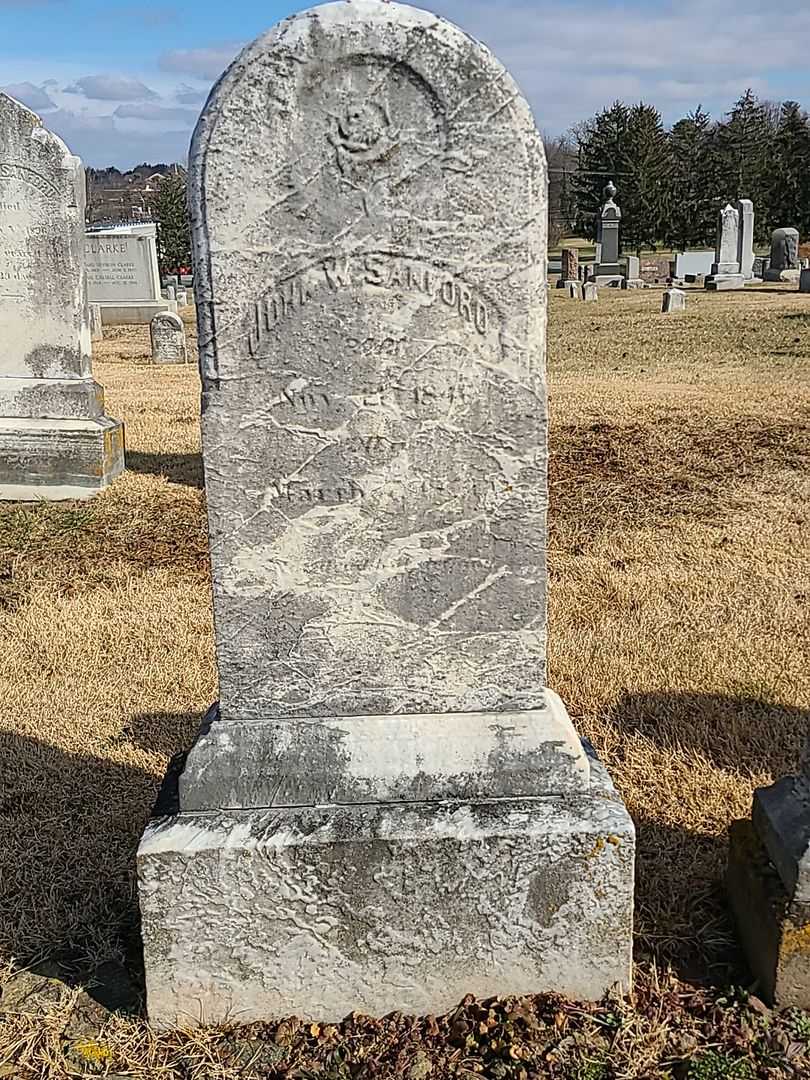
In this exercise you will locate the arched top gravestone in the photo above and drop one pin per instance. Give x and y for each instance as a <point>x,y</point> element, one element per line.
<point>41,237</point>
<point>372,317</point>
<point>395,811</point>
<point>168,337</point>
<point>55,441</point>
<point>375,425</point>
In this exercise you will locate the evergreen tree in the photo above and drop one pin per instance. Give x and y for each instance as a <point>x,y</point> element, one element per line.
<point>599,159</point>
<point>789,202</point>
<point>745,147</point>
<point>173,227</point>
<point>694,182</point>
<point>644,188</point>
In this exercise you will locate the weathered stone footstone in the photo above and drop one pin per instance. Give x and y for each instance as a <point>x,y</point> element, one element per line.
<point>673,300</point>
<point>388,810</point>
<point>589,291</point>
<point>168,336</point>
<point>55,441</point>
<point>769,886</point>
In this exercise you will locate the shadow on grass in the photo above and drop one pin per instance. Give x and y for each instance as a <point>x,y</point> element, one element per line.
<point>70,825</point>
<point>177,468</point>
<point>741,734</point>
<point>682,913</point>
<point>69,829</point>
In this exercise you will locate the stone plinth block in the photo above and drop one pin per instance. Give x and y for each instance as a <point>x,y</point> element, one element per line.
<point>724,282</point>
<point>775,929</point>
<point>367,759</point>
<point>782,275</point>
<point>673,300</point>
<point>132,314</point>
<point>58,459</point>
<point>319,911</point>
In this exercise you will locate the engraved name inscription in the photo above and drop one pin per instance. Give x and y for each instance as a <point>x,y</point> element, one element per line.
<point>10,170</point>
<point>376,270</point>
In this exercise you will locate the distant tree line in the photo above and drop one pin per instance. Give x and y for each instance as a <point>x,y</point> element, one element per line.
<point>671,183</point>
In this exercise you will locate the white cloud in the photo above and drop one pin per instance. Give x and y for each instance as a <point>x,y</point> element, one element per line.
<point>206,63</point>
<point>573,57</point>
<point>190,95</point>
<point>35,97</point>
<point>157,114</point>
<point>570,57</point>
<point>111,88</point>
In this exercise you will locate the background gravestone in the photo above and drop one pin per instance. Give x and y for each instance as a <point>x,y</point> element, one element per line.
<point>608,223</point>
<point>745,245</point>
<point>726,273</point>
<point>784,261</point>
<point>673,300</point>
<point>569,268</point>
<point>168,336</point>
<point>55,441</point>
<point>122,273</point>
<point>96,326</point>
<point>388,809</point>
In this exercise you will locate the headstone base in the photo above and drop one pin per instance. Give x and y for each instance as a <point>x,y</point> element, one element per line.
<point>58,459</point>
<point>782,275</point>
<point>320,910</point>
<point>633,283</point>
<point>775,931</point>
<point>724,282</point>
<point>51,399</point>
<point>609,281</point>
<point>132,314</point>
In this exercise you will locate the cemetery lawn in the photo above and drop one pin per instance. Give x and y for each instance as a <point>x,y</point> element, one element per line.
<point>679,638</point>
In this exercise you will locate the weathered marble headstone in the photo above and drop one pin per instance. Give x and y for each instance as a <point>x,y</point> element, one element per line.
<point>171,292</point>
<point>55,441</point>
<point>673,300</point>
<point>388,810</point>
<point>769,884</point>
<point>168,339</point>
<point>745,238</point>
<point>96,327</point>
<point>570,265</point>
<point>785,264</point>
<point>726,273</point>
<point>590,291</point>
<point>693,264</point>
<point>182,297</point>
<point>632,273</point>
<point>574,290</point>
<point>608,222</point>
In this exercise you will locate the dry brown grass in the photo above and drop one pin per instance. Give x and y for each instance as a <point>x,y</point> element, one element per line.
<point>679,614</point>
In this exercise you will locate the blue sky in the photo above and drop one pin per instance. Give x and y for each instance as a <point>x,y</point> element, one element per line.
<point>124,82</point>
